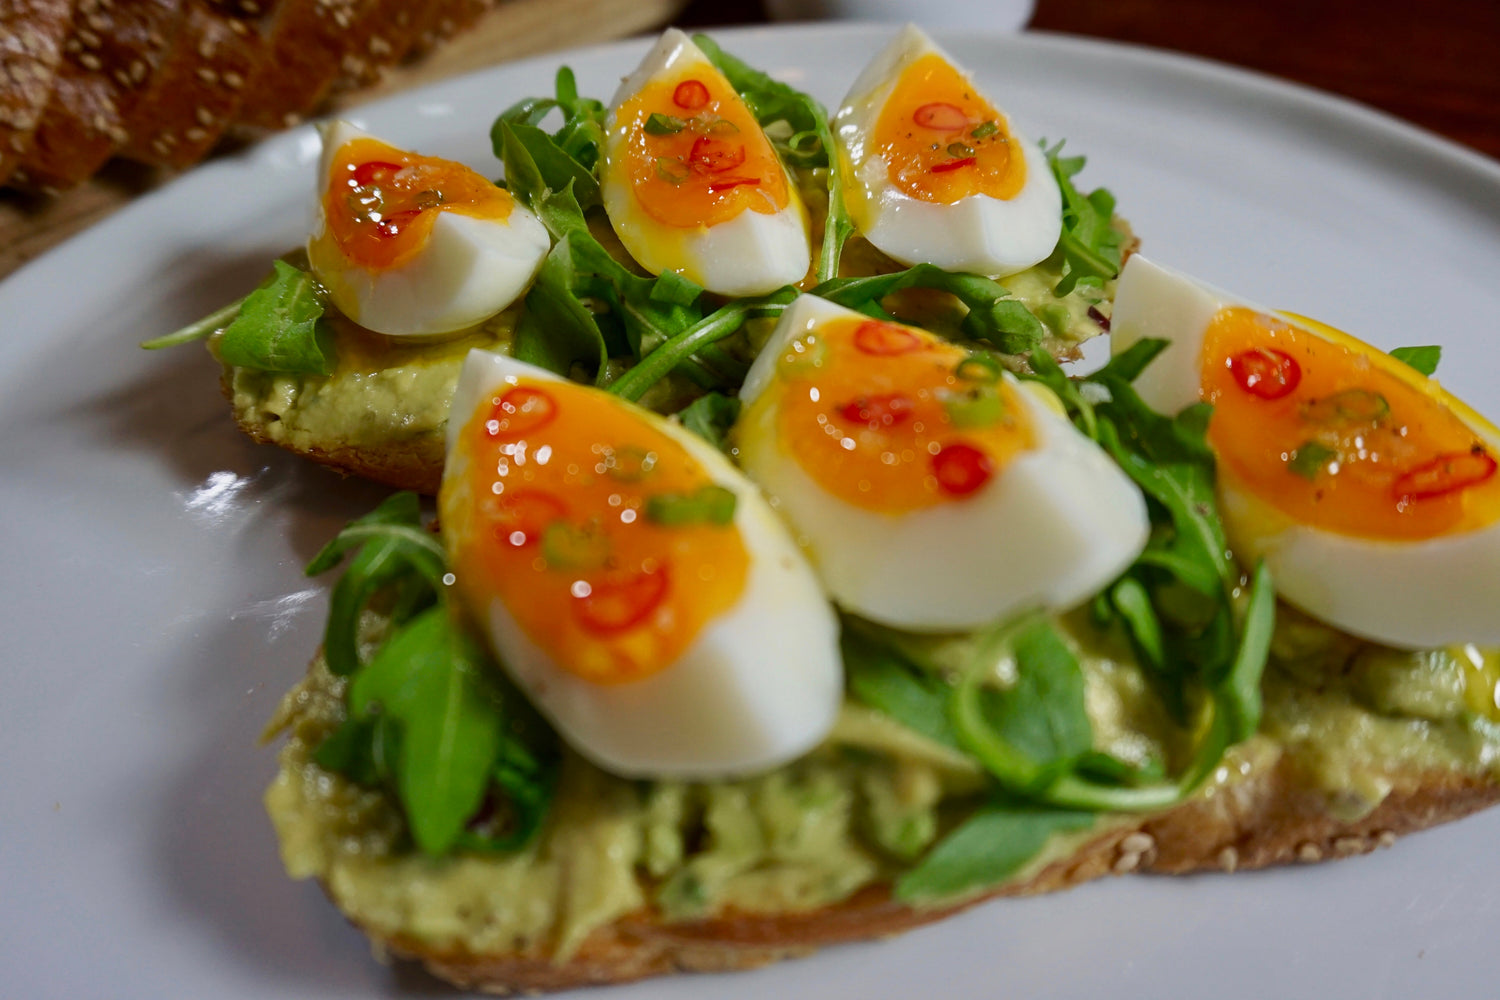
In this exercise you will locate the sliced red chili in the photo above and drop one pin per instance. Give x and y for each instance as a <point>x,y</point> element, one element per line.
<point>878,412</point>
<point>711,155</point>
<point>616,603</point>
<point>725,183</point>
<point>1265,372</point>
<point>520,411</point>
<point>522,515</point>
<point>392,225</point>
<point>950,165</point>
<point>1456,470</point>
<point>374,172</point>
<point>690,94</point>
<point>961,468</point>
<point>941,117</point>
<point>885,339</point>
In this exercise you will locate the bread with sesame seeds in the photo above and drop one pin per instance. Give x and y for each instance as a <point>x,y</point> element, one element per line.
<point>32,36</point>
<point>197,90</point>
<point>97,87</point>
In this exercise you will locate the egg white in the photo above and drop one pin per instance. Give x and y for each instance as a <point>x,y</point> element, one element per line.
<point>1413,594</point>
<point>761,685</point>
<point>750,254</point>
<point>980,234</point>
<point>1048,531</point>
<point>468,270</point>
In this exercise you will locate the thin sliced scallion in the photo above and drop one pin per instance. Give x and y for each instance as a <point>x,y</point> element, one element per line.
<point>984,369</point>
<point>711,504</point>
<point>958,149</point>
<point>671,170</point>
<point>1310,458</point>
<point>984,130</point>
<point>660,124</point>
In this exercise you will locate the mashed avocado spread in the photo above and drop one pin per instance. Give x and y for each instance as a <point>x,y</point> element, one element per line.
<point>1356,720</point>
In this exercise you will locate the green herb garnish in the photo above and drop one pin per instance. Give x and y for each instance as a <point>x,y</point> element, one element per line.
<point>710,504</point>
<point>1309,459</point>
<point>958,149</point>
<point>1091,246</point>
<point>710,416</point>
<point>279,327</point>
<point>1423,359</point>
<point>984,130</point>
<point>660,124</point>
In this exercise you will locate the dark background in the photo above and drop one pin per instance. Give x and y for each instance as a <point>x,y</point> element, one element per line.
<point>1435,63</point>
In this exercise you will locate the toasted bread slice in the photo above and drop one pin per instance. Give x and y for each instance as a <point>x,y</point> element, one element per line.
<point>196,92</point>
<point>1277,813</point>
<point>112,59</point>
<point>32,36</point>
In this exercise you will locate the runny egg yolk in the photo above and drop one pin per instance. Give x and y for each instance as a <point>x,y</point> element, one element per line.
<point>607,542</point>
<point>381,202</point>
<point>694,153</point>
<point>1340,438</point>
<point>942,141</point>
<point>892,419</point>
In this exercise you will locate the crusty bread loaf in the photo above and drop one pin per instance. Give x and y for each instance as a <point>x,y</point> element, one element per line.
<point>1271,818</point>
<point>32,36</point>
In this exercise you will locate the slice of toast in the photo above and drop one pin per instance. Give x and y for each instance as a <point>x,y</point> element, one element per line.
<point>111,61</point>
<point>1276,814</point>
<point>196,92</point>
<point>32,36</point>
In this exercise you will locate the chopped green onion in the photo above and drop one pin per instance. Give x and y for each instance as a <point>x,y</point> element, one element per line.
<point>709,505</point>
<point>566,546</point>
<point>984,130</point>
<point>959,149</point>
<point>982,368</point>
<point>659,124</point>
<point>671,170</point>
<point>980,406</point>
<point>1309,459</point>
<point>1360,406</point>
<point>715,126</point>
<point>629,464</point>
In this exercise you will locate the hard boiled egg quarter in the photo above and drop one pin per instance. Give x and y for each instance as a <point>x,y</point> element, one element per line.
<point>632,581</point>
<point>1371,493</point>
<point>691,183</point>
<point>411,245</point>
<point>933,490</point>
<point>936,174</point>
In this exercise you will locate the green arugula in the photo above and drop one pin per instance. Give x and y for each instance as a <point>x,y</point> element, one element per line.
<point>810,144</point>
<point>394,551</point>
<point>1424,359</point>
<point>279,327</point>
<point>710,416</point>
<point>1091,246</point>
<point>987,848</point>
<point>883,678</point>
<point>993,316</point>
<point>429,717</point>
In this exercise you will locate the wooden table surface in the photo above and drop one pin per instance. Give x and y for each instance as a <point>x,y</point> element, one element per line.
<point>1435,64</point>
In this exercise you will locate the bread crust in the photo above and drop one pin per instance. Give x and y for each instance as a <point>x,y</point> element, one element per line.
<point>1271,818</point>
<point>32,36</point>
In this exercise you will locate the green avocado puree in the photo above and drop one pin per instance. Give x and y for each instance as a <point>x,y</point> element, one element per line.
<point>1356,721</point>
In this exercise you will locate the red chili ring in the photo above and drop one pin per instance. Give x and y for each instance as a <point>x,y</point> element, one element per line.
<point>615,604</point>
<point>1448,473</point>
<point>520,411</point>
<point>690,94</point>
<point>1265,372</point>
<point>961,468</point>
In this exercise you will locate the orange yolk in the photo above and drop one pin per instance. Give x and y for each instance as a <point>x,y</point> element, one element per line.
<point>560,526</point>
<point>694,153</point>
<point>942,141</point>
<point>1341,439</point>
<point>892,419</point>
<point>381,201</point>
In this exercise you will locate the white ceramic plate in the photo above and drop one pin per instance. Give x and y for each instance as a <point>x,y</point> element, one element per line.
<point>152,609</point>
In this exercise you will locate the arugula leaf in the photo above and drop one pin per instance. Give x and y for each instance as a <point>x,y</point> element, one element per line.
<point>198,330</point>
<point>1423,359</point>
<point>582,133</point>
<point>393,547</point>
<point>810,146</point>
<point>883,679</point>
<point>426,679</point>
<point>989,847</point>
<point>1091,245</point>
<point>555,169</point>
<point>710,416</point>
<point>280,327</point>
<point>557,330</point>
<point>993,315</point>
